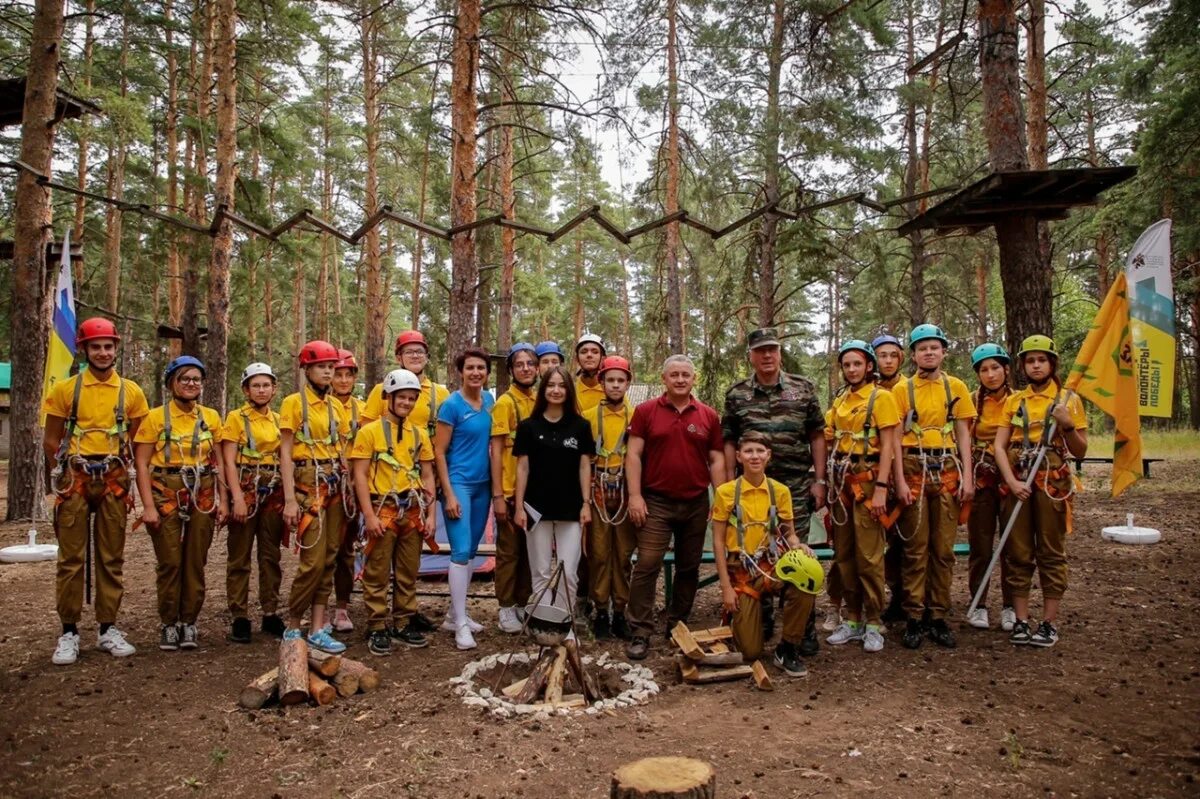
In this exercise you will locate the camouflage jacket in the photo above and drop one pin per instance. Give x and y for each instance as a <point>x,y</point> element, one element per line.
<point>787,413</point>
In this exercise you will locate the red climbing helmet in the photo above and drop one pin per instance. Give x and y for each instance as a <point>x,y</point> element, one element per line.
<point>615,362</point>
<point>346,360</point>
<point>410,337</point>
<point>94,328</point>
<point>318,352</point>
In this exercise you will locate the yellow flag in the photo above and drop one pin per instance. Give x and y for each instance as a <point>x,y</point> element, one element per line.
<point>1104,375</point>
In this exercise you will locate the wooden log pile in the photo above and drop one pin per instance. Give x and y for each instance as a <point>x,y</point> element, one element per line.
<point>707,656</point>
<point>305,675</point>
<point>557,680</point>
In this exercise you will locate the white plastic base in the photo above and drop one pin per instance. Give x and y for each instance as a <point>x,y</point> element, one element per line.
<point>28,553</point>
<point>1125,534</point>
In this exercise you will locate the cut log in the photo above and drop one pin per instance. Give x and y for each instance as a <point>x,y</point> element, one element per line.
<point>366,677</point>
<point>319,690</point>
<point>345,682</point>
<point>569,702</point>
<point>586,681</point>
<point>558,673</point>
<point>705,676</point>
<point>260,690</point>
<point>515,688</point>
<point>721,659</point>
<point>687,668</point>
<point>762,681</point>
<point>683,639</point>
<point>293,671</point>
<point>712,634</point>
<point>324,663</point>
<point>536,680</point>
<point>664,778</point>
<point>718,648</point>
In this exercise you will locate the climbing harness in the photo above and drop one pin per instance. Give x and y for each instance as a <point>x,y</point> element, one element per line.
<point>394,504</point>
<point>608,482</point>
<point>934,474</point>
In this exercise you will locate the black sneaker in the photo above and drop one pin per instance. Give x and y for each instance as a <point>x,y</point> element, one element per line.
<point>421,623</point>
<point>274,625</point>
<point>1045,636</point>
<point>1020,633</point>
<point>768,618</point>
<point>380,643</point>
<point>620,627</point>
<point>601,627</point>
<point>410,636</point>
<point>638,648</point>
<point>894,612</point>
<point>810,646</point>
<point>786,659</point>
<point>240,632</point>
<point>913,633</point>
<point>168,638</point>
<point>926,619</point>
<point>940,633</point>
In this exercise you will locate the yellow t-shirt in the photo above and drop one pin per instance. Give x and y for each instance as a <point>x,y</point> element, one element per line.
<point>991,415</point>
<point>588,397</point>
<point>323,446</point>
<point>264,427</point>
<point>1036,412</point>
<point>402,474</point>
<point>513,407</point>
<point>96,416</point>
<point>189,445</point>
<point>755,507</point>
<point>845,419</point>
<point>930,397</point>
<point>421,415</point>
<point>354,417</point>
<point>616,422</point>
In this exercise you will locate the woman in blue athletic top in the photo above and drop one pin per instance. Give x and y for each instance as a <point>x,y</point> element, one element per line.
<point>460,446</point>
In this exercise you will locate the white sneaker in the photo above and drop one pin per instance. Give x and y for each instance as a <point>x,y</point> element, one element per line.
<point>449,626</point>
<point>113,642</point>
<point>341,621</point>
<point>978,618</point>
<point>1008,617</point>
<point>190,638</point>
<point>510,620</point>
<point>67,651</point>
<point>463,638</point>
<point>872,639</point>
<point>833,619</point>
<point>844,634</point>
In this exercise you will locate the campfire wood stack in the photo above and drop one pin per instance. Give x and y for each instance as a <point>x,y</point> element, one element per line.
<point>556,669</point>
<point>308,675</point>
<point>707,656</point>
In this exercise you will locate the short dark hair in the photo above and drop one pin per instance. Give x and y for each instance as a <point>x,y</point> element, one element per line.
<point>754,437</point>
<point>472,352</point>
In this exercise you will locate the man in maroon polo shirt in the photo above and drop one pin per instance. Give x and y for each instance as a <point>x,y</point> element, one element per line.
<point>675,452</point>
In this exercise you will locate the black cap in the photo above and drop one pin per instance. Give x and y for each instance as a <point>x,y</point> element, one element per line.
<point>763,337</point>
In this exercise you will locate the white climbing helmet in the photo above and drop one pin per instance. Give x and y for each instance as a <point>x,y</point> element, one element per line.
<point>591,338</point>
<point>400,379</point>
<point>255,369</point>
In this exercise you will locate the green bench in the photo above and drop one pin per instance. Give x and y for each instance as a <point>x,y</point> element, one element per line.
<point>822,553</point>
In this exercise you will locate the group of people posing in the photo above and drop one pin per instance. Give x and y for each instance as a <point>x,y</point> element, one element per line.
<point>576,479</point>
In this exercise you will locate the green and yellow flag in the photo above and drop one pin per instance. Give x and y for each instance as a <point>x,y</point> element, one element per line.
<point>1104,375</point>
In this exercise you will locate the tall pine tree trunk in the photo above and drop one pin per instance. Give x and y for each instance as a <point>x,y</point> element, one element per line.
<point>1027,285</point>
<point>171,132</point>
<point>327,244</point>
<point>116,185</point>
<point>377,302</point>
<point>1036,123</point>
<point>30,307</point>
<point>508,207</point>
<point>769,232</point>
<point>89,43</point>
<point>196,189</point>
<point>675,338</point>
<point>464,271</point>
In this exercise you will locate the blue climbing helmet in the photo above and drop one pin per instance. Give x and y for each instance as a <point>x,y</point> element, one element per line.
<point>548,348</point>
<point>922,332</point>
<point>520,346</point>
<point>886,338</point>
<point>859,345</point>
<point>989,350</point>
<point>179,363</point>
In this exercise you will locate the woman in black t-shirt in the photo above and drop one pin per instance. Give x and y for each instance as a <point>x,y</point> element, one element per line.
<point>554,449</point>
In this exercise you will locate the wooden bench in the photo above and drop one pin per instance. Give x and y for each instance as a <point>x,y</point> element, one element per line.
<point>1145,464</point>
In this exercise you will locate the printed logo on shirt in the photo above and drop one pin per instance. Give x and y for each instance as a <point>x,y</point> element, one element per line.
<point>571,443</point>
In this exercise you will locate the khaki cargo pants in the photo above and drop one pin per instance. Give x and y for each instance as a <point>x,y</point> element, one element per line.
<point>181,547</point>
<point>265,528</point>
<point>71,530</point>
<point>746,623</point>
<point>513,581</point>
<point>395,555</point>
<point>858,544</point>
<point>319,542</point>
<point>927,529</point>
<point>610,556</point>
<point>1039,537</point>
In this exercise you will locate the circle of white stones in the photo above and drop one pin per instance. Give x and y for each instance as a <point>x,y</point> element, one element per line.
<point>639,679</point>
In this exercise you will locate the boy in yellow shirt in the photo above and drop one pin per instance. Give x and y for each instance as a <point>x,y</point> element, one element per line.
<point>589,388</point>
<point>91,420</point>
<point>412,351</point>
<point>1039,534</point>
<point>860,462</point>
<point>513,578</point>
<point>312,426</point>
<point>250,449</point>
<point>345,374</point>
<point>761,510</point>
<point>933,477</point>
<point>392,462</point>
<point>178,470</point>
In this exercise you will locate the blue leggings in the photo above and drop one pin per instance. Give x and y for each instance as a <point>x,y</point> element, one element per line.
<point>466,531</point>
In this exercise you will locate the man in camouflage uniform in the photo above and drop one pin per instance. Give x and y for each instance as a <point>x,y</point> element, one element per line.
<point>785,408</point>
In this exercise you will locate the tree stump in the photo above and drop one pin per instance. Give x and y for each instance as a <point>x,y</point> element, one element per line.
<point>293,671</point>
<point>664,778</point>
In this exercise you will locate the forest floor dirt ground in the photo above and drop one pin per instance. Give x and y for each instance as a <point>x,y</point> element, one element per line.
<point>1113,710</point>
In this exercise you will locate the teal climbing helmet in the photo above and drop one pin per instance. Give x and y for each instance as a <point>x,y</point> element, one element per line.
<point>859,345</point>
<point>989,350</point>
<point>922,332</point>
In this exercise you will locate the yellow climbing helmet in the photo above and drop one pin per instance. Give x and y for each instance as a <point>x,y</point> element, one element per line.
<point>801,570</point>
<point>1038,343</point>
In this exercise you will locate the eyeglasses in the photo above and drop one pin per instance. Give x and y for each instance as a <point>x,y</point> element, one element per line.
<point>193,381</point>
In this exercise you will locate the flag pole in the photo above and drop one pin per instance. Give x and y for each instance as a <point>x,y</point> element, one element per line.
<point>1012,518</point>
